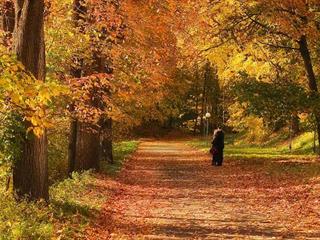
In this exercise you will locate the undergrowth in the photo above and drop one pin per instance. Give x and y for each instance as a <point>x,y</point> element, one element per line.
<point>74,202</point>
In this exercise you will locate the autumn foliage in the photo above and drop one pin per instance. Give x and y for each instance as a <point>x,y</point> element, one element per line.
<point>78,76</point>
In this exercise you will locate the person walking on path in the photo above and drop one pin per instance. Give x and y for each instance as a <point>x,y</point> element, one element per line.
<point>217,147</point>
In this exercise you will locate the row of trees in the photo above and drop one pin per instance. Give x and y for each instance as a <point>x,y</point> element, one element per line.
<point>105,64</point>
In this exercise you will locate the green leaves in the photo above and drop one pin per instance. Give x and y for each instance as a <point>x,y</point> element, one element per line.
<point>274,101</point>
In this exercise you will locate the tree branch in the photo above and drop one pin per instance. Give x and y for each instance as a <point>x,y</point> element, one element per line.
<point>279,46</point>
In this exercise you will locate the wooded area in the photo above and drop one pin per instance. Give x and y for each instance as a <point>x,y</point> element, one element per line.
<point>80,77</point>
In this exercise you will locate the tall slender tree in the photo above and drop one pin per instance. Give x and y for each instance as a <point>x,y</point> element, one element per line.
<point>84,139</point>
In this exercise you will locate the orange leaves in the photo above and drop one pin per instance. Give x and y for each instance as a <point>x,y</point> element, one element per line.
<point>91,98</point>
<point>107,20</point>
<point>296,18</point>
<point>144,64</point>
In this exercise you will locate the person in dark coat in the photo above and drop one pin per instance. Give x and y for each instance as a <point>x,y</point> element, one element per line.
<point>217,147</point>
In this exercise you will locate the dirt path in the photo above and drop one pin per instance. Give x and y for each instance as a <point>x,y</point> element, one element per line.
<point>170,191</point>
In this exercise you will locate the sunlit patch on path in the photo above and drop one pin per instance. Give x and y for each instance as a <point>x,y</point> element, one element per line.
<point>170,191</point>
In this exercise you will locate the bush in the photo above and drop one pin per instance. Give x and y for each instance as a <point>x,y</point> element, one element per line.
<point>58,152</point>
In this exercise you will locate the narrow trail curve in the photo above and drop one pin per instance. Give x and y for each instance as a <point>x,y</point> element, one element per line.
<point>170,191</point>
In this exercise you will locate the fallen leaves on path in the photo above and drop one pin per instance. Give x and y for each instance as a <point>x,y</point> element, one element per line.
<point>170,191</point>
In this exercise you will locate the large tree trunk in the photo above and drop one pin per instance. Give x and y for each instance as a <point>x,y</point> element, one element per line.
<point>87,148</point>
<point>30,172</point>
<point>312,82</point>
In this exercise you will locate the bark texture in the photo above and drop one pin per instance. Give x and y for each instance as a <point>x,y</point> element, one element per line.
<point>30,172</point>
<point>87,148</point>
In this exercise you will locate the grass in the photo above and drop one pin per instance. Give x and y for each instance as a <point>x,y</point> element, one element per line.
<point>273,158</point>
<point>121,151</point>
<point>73,204</point>
<point>302,148</point>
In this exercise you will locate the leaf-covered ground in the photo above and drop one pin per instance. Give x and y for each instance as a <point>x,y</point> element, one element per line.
<point>170,191</point>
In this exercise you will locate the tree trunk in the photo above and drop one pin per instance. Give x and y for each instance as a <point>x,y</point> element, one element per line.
<point>7,21</point>
<point>295,124</point>
<point>196,122</point>
<point>84,139</point>
<point>72,145</point>
<point>312,82</point>
<point>30,171</point>
<point>87,148</point>
<point>76,71</point>
<point>106,141</point>
<point>84,147</point>
<point>305,53</point>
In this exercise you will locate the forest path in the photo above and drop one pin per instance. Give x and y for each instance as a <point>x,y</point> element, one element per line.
<point>169,190</point>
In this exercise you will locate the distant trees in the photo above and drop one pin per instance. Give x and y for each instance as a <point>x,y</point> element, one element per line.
<point>267,41</point>
<point>212,95</point>
<point>200,93</point>
<point>276,104</point>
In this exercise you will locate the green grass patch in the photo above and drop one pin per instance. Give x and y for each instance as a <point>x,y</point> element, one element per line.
<point>302,147</point>
<point>274,159</point>
<point>121,151</point>
<point>74,202</point>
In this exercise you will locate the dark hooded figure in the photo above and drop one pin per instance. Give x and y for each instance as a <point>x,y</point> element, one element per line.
<point>217,147</point>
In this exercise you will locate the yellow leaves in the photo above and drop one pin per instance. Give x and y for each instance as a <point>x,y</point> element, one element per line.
<point>254,60</point>
<point>38,131</point>
<point>44,95</point>
<point>22,93</point>
<point>35,120</point>
<point>16,98</point>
